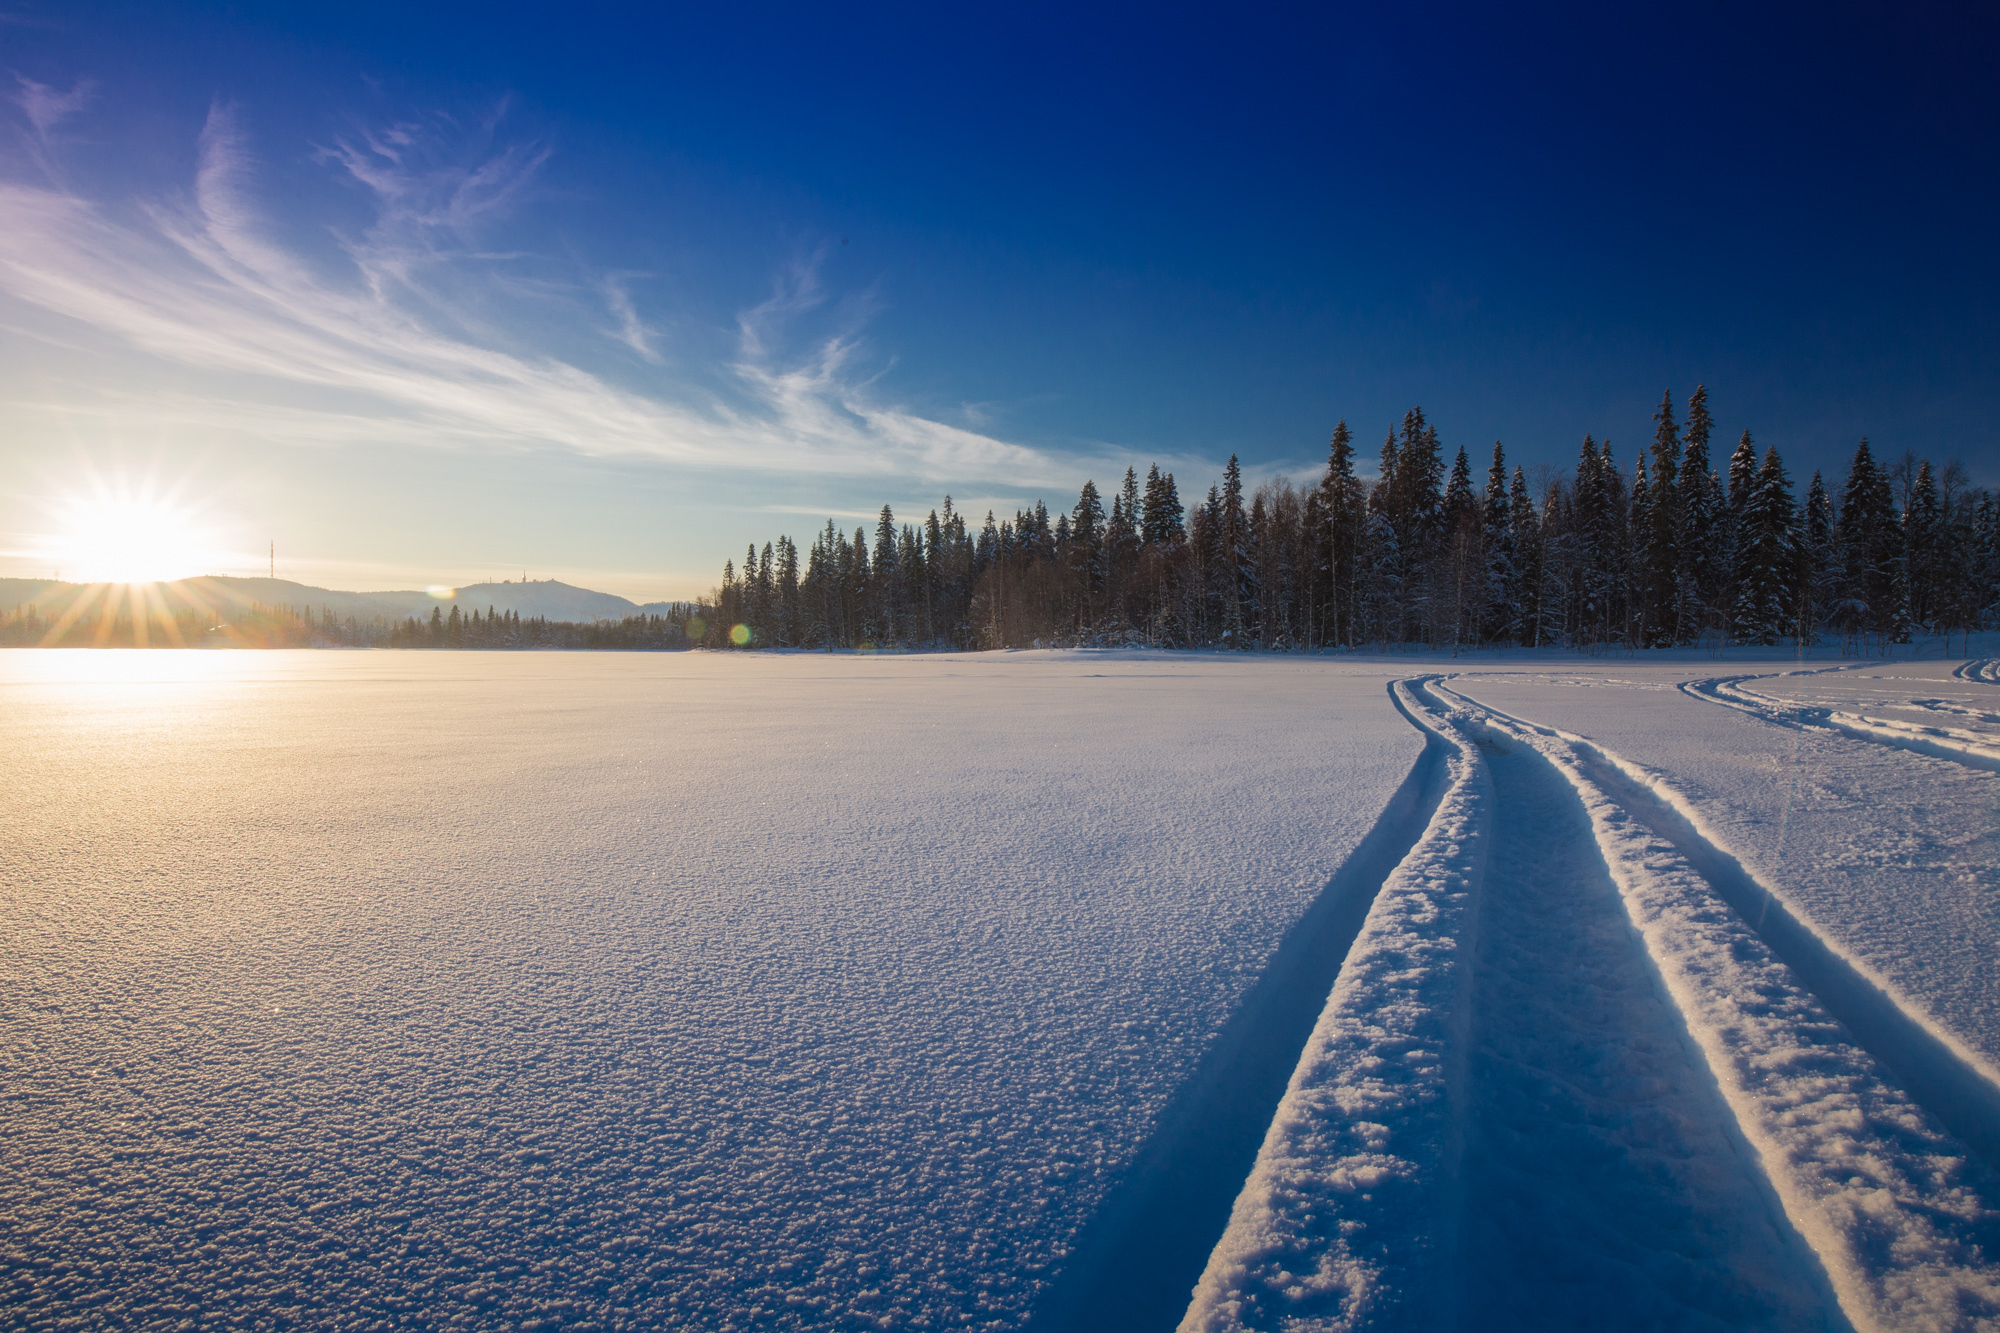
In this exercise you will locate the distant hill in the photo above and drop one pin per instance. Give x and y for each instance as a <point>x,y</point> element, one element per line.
<point>547,598</point>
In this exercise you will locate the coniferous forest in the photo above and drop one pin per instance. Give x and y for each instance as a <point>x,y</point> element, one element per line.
<point>1684,547</point>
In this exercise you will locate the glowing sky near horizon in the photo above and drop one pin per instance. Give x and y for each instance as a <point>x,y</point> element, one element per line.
<point>432,294</point>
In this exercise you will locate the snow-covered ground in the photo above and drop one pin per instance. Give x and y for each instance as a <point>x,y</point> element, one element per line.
<point>959,992</point>
<point>636,991</point>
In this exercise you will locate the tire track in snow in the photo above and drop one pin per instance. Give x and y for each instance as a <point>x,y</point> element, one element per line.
<point>1140,1256</point>
<point>1526,1140</point>
<point>1606,1183</point>
<point>1937,742</point>
<point>1986,671</point>
<point>1348,1217</point>
<point>1899,1214</point>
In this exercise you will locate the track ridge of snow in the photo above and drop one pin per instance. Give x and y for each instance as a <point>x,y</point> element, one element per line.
<point>1947,706</point>
<point>1350,1208</point>
<point>1133,1266</point>
<point>1889,1202</point>
<point>1937,742</point>
<point>1986,671</point>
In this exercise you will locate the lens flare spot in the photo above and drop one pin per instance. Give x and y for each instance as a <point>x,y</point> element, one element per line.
<point>740,635</point>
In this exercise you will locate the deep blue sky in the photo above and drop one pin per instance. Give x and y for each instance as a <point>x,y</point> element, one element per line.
<point>1051,243</point>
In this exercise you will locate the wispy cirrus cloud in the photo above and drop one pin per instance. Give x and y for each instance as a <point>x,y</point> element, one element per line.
<point>204,284</point>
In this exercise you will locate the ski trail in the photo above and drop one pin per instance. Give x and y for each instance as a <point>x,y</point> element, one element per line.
<point>1347,1218</point>
<point>1898,1213</point>
<point>1605,1184</point>
<point>1962,747</point>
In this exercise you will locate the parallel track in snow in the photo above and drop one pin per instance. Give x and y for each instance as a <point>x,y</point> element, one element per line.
<point>1579,1071</point>
<point>1953,743</point>
<point>1818,1065</point>
<point>1986,671</point>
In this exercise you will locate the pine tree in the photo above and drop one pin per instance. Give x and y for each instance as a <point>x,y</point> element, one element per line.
<point>1163,524</point>
<point>1701,576</point>
<point>1497,538</point>
<point>1875,587</point>
<point>1660,625</point>
<point>1733,534</point>
<point>1530,564</point>
<point>1233,541</point>
<point>1346,517</point>
<point>1924,540</point>
<point>1767,558</point>
<point>1086,540</point>
<point>1817,561</point>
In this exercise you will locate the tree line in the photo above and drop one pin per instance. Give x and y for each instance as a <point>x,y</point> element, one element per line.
<point>1684,549</point>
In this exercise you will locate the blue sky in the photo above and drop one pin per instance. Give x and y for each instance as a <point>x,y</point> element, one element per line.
<point>428,293</point>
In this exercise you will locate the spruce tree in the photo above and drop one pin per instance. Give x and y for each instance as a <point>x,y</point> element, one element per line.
<point>1767,557</point>
<point>1701,577</point>
<point>1663,604</point>
<point>1530,564</point>
<point>1163,523</point>
<point>1924,542</point>
<point>1733,534</point>
<point>1875,587</point>
<point>1233,541</point>
<point>1816,561</point>
<point>1497,542</point>
<point>1086,540</point>
<point>1346,516</point>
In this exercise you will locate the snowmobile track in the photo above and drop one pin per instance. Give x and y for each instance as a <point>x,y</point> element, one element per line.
<point>1935,742</point>
<point>1986,671</point>
<point>1136,1262</point>
<point>1854,1160</point>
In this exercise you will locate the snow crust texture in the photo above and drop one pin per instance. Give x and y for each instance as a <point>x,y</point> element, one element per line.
<point>514,991</point>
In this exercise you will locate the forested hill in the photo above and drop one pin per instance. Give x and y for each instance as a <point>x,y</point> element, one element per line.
<point>546,599</point>
<point>1690,542</point>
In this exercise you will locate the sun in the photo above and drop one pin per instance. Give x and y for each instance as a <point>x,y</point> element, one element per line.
<point>114,538</point>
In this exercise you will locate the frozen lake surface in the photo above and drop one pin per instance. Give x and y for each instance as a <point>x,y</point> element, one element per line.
<point>628,991</point>
<point>798,992</point>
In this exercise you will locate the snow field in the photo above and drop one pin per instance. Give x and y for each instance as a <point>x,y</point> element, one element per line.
<point>1897,1211</point>
<point>645,991</point>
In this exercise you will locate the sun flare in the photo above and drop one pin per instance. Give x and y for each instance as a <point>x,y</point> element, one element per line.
<point>109,538</point>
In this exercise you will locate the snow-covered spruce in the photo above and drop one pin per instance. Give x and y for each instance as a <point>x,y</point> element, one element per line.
<point>1347,1211</point>
<point>1893,1206</point>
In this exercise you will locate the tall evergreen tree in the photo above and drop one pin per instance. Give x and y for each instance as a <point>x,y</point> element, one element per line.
<point>1817,561</point>
<point>1875,588</point>
<point>1662,601</point>
<point>1497,541</point>
<point>1086,539</point>
<point>1924,544</point>
<point>1767,557</point>
<point>1530,564</point>
<point>1701,573</point>
<point>1233,553</point>
<point>1346,517</point>
<point>1163,522</point>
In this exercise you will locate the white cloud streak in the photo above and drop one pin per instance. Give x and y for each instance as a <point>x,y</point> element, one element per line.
<point>201,284</point>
